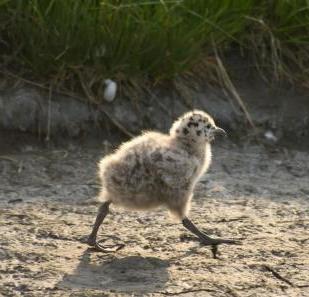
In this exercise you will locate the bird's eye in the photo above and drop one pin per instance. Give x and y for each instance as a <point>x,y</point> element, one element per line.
<point>208,126</point>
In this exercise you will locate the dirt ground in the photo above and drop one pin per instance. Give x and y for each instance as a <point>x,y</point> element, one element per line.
<point>256,193</point>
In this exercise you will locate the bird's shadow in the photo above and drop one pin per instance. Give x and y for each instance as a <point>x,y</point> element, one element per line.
<point>131,274</point>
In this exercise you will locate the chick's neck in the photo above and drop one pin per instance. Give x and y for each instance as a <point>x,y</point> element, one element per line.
<point>195,147</point>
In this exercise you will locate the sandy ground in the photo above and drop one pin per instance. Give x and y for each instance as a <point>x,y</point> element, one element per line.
<point>254,193</point>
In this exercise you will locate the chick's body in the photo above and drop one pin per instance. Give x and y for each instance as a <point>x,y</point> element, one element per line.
<point>154,169</point>
<point>159,169</point>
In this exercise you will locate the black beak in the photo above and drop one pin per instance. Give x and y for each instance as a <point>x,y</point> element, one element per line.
<point>220,131</point>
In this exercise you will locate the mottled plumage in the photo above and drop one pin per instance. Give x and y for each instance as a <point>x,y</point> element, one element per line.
<point>157,169</point>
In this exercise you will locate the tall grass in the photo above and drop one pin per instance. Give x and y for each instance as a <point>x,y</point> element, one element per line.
<point>279,38</point>
<point>157,38</point>
<point>154,39</point>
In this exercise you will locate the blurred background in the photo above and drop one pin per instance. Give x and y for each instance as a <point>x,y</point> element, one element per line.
<point>131,65</point>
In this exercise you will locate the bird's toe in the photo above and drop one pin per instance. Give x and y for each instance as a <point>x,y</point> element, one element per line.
<point>217,241</point>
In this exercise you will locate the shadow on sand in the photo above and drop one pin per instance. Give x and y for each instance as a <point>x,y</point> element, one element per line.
<point>133,274</point>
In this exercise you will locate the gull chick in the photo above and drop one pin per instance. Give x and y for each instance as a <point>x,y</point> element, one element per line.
<point>156,169</point>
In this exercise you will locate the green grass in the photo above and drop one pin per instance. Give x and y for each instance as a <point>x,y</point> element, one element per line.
<point>279,38</point>
<point>150,39</point>
<point>156,38</point>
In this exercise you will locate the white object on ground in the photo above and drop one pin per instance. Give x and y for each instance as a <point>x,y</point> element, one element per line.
<point>269,135</point>
<point>110,90</point>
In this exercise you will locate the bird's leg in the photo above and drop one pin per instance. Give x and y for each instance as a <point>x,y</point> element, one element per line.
<point>103,211</point>
<point>205,239</point>
<point>92,239</point>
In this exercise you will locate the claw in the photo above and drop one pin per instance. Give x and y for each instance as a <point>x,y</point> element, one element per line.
<point>217,241</point>
<point>214,242</point>
<point>108,248</point>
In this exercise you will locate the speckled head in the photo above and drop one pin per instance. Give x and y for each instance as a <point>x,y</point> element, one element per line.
<point>196,125</point>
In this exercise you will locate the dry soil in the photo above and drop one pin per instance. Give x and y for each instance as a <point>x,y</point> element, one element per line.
<point>254,193</point>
